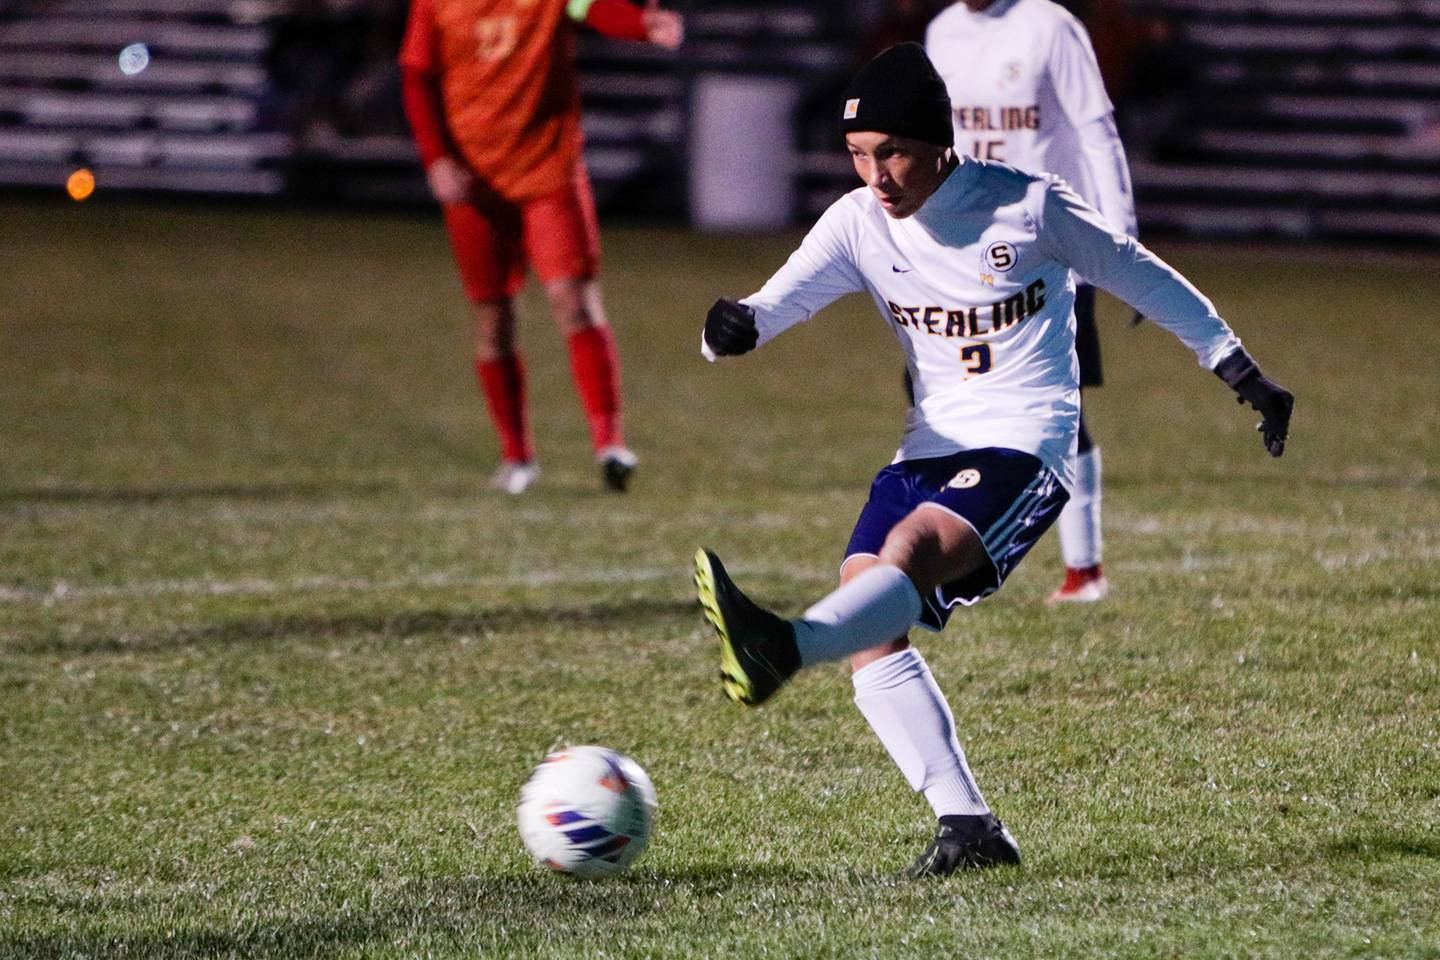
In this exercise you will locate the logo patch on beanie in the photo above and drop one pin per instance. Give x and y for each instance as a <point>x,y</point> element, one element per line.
<point>852,108</point>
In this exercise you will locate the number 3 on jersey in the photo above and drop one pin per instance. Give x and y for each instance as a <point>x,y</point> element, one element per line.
<point>975,358</point>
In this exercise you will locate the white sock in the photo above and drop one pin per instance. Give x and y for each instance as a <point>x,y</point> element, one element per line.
<point>907,711</point>
<point>876,607</point>
<point>1080,540</point>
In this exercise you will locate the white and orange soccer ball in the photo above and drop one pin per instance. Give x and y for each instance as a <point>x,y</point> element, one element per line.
<point>587,811</point>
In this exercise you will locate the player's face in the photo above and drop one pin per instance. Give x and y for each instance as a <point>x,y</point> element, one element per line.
<point>901,172</point>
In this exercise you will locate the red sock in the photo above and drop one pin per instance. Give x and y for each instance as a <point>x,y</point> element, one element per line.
<point>503,382</point>
<point>596,370</point>
<point>1077,577</point>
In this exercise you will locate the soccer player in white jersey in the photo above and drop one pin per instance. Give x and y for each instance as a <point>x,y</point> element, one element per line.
<point>1025,90</point>
<point>969,263</point>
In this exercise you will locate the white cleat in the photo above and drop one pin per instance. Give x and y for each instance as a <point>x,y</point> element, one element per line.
<point>514,478</point>
<point>1081,586</point>
<point>617,463</point>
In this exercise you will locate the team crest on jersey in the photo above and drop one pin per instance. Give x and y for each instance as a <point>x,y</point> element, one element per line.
<point>999,257</point>
<point>852,108</point>
<point>965,479</point>
<point>1011,74</point>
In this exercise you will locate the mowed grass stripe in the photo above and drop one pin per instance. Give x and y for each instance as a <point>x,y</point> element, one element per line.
<point>66,592</point>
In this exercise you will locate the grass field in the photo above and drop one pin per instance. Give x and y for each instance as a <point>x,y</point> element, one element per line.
<point>274,662</point>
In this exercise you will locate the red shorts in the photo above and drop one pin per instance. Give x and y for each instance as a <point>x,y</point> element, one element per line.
<point>493,239</point>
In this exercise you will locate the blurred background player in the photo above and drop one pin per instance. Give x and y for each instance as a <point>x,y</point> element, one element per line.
<point>1026,90</point>
<point>491,95</point>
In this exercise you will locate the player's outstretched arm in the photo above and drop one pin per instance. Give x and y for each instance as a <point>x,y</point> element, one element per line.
<point>730,330</point>
<point>664,28</point>
<point>624,20</point>
<point>1242,374</point>
<point>1075,234</point>
<point>817,274</point>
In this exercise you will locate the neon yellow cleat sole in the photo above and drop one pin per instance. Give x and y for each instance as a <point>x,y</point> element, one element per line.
<point>757,648</point>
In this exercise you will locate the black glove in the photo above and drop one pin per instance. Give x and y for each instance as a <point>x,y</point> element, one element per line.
<point>730,328</point>
<point>1242,374</point>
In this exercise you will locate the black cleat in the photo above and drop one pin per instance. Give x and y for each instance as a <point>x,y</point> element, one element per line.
<point>966,843</point>
<point>617,465</point>
<point>757,648</point>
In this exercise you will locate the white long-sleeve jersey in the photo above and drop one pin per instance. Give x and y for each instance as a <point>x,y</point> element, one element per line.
<point>1025,89</point>
<point>976,286</point>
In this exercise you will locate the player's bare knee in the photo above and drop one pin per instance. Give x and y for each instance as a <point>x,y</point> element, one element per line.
<point>568,313</point>
<point>933,547</point>
<point>855,565</point>
<point>574,321</point>
<point>904,546</point>
<point>494,328</point>
<point>492,341</point>
<point>916,544</point>
<point>574,305</point>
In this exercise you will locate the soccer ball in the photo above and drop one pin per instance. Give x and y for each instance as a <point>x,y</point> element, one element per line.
<point>587,811</point>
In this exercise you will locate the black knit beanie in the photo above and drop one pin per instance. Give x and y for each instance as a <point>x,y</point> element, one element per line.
<point>899,93</point>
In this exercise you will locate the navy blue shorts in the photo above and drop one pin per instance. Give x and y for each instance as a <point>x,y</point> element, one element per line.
<point>1009,497</point>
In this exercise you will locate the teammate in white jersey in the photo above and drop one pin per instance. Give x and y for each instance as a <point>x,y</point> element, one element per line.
<point>970,265</point>
<point>1025,89</point>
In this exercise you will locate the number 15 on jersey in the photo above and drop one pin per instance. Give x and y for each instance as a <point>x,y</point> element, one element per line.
<point>988,150</point>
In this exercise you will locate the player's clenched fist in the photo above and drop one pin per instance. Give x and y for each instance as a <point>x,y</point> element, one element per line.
<point>664,28</point>
<point>1240,371</point>
<point>730,329</point>
<point>450,180</point>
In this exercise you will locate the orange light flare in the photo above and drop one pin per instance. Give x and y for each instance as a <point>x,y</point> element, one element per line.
<point>80,185</point>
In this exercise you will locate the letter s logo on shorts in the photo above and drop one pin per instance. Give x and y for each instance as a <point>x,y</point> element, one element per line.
<point>965,479</point>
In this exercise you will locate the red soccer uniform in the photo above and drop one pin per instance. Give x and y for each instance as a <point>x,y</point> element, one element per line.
<point>490,84</point>
<point>493,83</point>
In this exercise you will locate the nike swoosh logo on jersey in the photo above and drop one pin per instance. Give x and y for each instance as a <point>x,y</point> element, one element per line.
<point>898,270</point>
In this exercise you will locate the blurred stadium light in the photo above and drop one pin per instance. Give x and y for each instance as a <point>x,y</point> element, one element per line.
<point>1303,118</point>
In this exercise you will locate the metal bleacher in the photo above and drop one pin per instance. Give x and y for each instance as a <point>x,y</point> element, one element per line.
<point>1302,118</point>
<point>1297,118</point>
<point>190,121</point>
<point>1306,118</point>
<point>215,111</point>
<point>795,40</point>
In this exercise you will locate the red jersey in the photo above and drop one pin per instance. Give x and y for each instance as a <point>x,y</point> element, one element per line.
<point>506,73</point>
